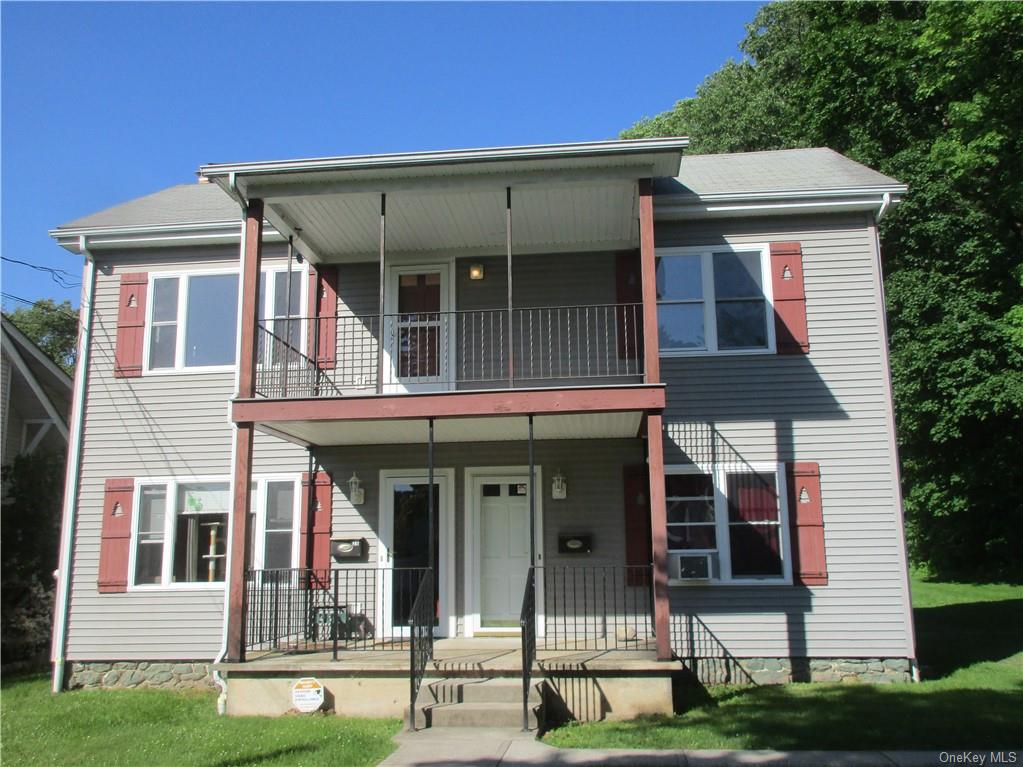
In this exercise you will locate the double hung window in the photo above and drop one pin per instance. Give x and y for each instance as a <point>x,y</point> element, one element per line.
<point>736,514</point>
<point>280,313</point>
<point>714,300</point>
<point>193,321</point>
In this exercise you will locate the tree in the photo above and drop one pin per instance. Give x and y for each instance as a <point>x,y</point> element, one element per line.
<point>52,327</point>
<point>929,94</point>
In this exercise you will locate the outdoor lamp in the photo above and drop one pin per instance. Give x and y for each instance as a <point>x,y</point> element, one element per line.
<point>559,489</point>
<point>355,492</point>
<point>476,272</point>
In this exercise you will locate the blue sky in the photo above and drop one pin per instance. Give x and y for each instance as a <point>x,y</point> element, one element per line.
<point>109,101</point>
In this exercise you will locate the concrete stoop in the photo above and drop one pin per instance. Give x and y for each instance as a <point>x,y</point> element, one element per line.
<point>475,702</point>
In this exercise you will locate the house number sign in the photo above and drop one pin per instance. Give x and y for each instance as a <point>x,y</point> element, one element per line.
<point>307,695</point>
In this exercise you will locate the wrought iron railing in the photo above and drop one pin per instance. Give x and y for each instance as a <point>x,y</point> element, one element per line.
<point>470,349</point>
<point>420,625</point>
<point>595,607</point>
<point>527,622</point>
<point>351,608</point>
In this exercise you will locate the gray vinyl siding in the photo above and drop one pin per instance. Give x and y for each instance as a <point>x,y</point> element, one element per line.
<point>163,425</point>
<point>830,407</point>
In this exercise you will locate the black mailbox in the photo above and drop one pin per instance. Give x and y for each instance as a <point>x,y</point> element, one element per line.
<point>575,544</point>
<point>347,548</point>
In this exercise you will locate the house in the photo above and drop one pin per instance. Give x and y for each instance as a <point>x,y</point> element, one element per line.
<point>36,397</point>
<point>486,428</point>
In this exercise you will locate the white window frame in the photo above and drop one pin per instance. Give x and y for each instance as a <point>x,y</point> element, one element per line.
<point>718,474</point>
<point>170,526</point>
<point>184,278</point>
<point>269,277</point>
<point>710,329</point>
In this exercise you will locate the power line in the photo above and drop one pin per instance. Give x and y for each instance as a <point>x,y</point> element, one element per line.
<point>59,276</point>
<point>12,297</point>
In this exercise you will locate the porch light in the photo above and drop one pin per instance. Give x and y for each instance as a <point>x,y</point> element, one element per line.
<point>476,271</point>
<point>559,488</point>
<point>356,494</point>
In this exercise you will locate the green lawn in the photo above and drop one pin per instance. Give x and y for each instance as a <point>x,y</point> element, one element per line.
<point>160,727</point>
<point>970,644</point>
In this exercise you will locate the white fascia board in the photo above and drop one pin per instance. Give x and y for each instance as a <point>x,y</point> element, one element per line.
<point>707,207</point>
<point>157,235</point>
<point>458,156</point>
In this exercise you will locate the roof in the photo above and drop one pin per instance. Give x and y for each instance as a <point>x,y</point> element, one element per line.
<point>54,382</point>
<point>181,204</point>
<point>784,170</point>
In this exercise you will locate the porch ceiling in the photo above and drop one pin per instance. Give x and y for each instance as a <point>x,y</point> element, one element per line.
<point>476,429</point>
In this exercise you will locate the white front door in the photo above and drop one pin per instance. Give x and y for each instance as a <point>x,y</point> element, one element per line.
<point>504,551</point>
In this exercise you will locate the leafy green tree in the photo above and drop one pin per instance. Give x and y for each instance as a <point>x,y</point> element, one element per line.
<point>929,93</point>
<point>52,327</point>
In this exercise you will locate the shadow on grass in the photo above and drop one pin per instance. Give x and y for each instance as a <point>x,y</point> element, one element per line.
<point>252,760</point>
<point>955,636</point>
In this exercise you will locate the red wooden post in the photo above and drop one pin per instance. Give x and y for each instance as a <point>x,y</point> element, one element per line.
<point>655,450</point>
<point>242,477</point>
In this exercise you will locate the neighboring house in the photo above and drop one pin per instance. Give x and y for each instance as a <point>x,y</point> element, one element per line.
<point>36,396</point>
<point>652,387</point>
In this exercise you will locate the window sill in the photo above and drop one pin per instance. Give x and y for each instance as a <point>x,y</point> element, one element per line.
<point>717,583</point>
<point>188,371</point>
<point>678,353</point>
<point>177,587</point>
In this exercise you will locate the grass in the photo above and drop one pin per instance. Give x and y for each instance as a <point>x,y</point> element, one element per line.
<point>162,727</point>
<point>969,641</point>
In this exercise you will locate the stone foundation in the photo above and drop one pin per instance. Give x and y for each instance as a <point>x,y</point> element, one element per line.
<point>175,675</point>
<point>784,670</point>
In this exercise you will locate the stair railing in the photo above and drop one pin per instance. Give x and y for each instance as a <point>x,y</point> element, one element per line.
<point>420,622</point>
<point>527,622</point>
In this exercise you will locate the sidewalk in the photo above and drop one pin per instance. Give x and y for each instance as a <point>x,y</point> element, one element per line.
<point>476,747</point>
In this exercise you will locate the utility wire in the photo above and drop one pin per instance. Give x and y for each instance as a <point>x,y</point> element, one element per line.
<point>11,297</point>
<point>59,276</point>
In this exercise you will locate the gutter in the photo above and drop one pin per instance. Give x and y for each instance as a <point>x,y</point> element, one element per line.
<point>73,471</point>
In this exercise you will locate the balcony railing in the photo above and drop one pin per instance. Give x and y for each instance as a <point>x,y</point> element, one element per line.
<point>442,351</point>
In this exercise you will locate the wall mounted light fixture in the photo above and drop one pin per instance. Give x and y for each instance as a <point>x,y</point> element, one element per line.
<point>476,271</point>
<point>356,494</point>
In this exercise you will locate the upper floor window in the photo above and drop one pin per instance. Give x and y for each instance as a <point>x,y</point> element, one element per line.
<point>193,321</point>
<point>714,300</point>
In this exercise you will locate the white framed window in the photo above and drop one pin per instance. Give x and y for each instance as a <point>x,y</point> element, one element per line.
<point>192,321</point>
<point>736,514</point>
<point>180,529</point>
<point>714,300</point>
<point>192,318</point>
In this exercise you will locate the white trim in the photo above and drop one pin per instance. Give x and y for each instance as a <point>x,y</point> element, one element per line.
<point>28,446</point>
<point>708,298</point>
<point>474,478</point>
<point>445,545</point>
<point>72,473</point>
<point>34,385</point>
<point>259,511</point>
<point>718,472</point>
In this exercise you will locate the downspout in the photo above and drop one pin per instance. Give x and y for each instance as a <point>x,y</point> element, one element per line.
<point>73,470</point>
<point>218,680</point>
<point>886,202</point>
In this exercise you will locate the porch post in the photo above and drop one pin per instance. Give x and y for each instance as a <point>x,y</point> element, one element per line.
<point>532,499</point>
<point>429,493</point>
<point>654,425</point>
<point>380,320</point>
<point>511,316</point>
<point>242,477</point>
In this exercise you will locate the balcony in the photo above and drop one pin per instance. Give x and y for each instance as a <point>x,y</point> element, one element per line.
<point>422,352</point>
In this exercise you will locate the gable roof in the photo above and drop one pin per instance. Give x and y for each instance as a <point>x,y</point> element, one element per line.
<point>780,171</point>
<point>181,204</point>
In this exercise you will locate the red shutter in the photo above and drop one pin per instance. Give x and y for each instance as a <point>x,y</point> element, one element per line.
<point>806,521</point>
<point>629,290</point>
<point>638,544</point>
<point>115,538</point>
<point>323,305</point>
<point>315,543</point>
<point>789,298</point>
<point>131,325</point>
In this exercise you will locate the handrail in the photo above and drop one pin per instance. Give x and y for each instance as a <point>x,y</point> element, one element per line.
<point>527,622</point>
<point>420,624</point>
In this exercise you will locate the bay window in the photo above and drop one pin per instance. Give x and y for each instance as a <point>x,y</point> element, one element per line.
<point>735,514</point>
<point>714,300</point>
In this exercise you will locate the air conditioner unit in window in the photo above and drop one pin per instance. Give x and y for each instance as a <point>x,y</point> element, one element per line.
<point>690,567</point>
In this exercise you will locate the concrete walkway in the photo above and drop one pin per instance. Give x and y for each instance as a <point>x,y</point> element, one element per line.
<point>476,747</point>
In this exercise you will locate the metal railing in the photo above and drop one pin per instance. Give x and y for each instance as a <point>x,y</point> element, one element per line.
<point>527,622</point>
<point>596,607</point>
<point>420,623</point>
<point>352,608</point>
<point>465,349</point>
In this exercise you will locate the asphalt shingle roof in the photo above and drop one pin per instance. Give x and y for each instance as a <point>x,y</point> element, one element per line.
<point>181,204</point>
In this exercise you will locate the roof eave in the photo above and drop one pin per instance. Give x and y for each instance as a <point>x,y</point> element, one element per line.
<point>726,205</point>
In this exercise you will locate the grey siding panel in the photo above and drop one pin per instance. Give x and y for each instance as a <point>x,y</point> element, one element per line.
<point>153,426</point>
<point>829,407</point>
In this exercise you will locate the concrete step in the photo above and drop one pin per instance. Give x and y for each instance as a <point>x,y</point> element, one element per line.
<point>472,715</point>
<point>480,690</point>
